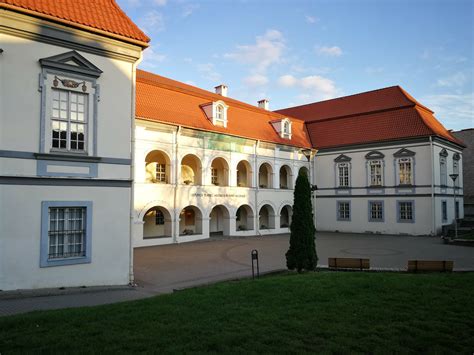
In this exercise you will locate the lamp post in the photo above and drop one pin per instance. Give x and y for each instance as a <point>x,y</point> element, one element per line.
<point>454,178</point>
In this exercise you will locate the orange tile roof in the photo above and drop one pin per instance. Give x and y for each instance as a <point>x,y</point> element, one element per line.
<point>164,100</point>
<point>374,116</point>
<point>102,16</point>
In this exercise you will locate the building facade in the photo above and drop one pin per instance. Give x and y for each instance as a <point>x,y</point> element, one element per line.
<point>67,116</point>
<point>467,137</point>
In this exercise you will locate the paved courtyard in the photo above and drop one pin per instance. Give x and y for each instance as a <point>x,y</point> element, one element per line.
<point>166,268</point>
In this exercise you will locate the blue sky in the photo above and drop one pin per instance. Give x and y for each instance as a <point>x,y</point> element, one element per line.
<point>296,52</point>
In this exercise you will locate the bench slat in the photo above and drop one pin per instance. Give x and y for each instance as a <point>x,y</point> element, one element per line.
<point>349,263</point>
<point>430,265</point>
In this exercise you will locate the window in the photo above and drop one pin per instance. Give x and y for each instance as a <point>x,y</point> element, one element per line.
<point>376,211</point>
<point>443,171</point>
<point>456,171</point>
<point>220,116</point>
<point>405,171</point>
<point>160,172</point>
<point>343,211</point>
<point>66,228</point>
<point>286,129</point>
<point>457,209</point>
<point>343,174</point>
<point>405,211</point>
<point>68,120</point>
<point>214,176</point>
<point>444,210</point>
<point>375,173</point>
<point>159,218</point>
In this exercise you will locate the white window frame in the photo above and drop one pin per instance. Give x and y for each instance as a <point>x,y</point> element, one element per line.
<point>214,176</point>
<point>376,214</point>
<point>404,212</point>
<point>402,174</point>
<point>343,210</point>
<point>443,171</point>
<point>160,173</point>
<point>286,128</point>
<point>345,177</point>
<point>373,175</point>
<point>219,117</point>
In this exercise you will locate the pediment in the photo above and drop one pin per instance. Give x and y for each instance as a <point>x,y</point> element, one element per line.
<point>374,155</point>
<point>72,62</point>
<point>342,159</point>
<point>402,153</point>
<point>443,153</point>
<point>457,156</point>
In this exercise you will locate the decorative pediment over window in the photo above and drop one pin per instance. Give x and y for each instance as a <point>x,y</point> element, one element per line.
<point>71,62</point>
<point>443,153</point>
<point>374,155</point>
<point>342,158</point>
<point>457,156</point>
<point>403,153</point>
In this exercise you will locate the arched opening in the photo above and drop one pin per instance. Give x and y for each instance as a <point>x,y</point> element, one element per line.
<point>219,172</point>
<point>190,221</point>
<point>219,221</point>
<point>191,170</point>
<point>285,177</point>
<point>304,171</point>
<point>244,174</point>
<point>266,217</point>
<point>157,167</point>
<point>157,223</point>
<point>285,216</point>
<point>265,173</point>
<point>244,218</point>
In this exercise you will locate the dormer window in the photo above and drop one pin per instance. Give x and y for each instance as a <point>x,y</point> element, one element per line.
<point>216,112</point>
<point>286,131</point>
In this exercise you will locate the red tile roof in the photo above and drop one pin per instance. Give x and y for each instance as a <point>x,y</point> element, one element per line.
<point>164,100</point>
<point>102,16</point>
<point>374,116</point>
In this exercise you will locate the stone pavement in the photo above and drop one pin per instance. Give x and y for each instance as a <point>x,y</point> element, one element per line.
<point>166,268</point>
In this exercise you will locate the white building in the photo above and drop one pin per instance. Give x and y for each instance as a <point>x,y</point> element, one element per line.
<point>383,164</point>
<point>67,81</point>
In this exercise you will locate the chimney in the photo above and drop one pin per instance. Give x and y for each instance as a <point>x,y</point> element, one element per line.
<point>265,104</point>
<point>221,90</point>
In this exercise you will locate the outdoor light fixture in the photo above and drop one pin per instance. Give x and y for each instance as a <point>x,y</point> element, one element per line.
<point>454,178</point>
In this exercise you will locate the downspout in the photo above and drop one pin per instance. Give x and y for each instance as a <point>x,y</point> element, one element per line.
<point>257,217</point>
<point>175,188</point>
<point>131,277</point>
<point>433,205</point>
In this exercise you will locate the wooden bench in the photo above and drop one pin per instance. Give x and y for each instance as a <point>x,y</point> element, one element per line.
<point>430,265</point>
<point>348,263</point>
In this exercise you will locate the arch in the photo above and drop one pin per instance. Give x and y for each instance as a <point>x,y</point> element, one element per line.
<point>266,217</point>
<point>191,170</point>
<point>244,174</point>
<point>141,213</point>
<point>157,223</point>
<point>286,213</point>
<point>244,218</point>
<point>157,167</point>
<point>219,172</point>
<point>286,177</point>
<point>219,220</point>
<point>304,170</point>
<point>265,176</point>
<point>190,221</point>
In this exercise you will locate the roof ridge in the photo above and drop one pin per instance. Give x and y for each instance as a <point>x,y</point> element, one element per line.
<point>412,99</point>
<point>199,92</point>
<point>360,114</point>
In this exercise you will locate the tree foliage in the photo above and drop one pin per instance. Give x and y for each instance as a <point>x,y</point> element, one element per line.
<point>302,252</point>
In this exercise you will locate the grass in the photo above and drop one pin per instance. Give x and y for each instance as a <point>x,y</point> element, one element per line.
<point>324,312</point>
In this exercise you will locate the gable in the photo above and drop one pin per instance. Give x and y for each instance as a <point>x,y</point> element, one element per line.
<point>71,62</point>
<point>342,159</point>
<point>402,153</point>
<point>374,155</point>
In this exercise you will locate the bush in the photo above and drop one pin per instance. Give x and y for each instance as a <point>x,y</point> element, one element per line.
<point>302,252</point>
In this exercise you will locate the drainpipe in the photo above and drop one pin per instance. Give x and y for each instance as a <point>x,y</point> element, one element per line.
<point>175,187</point>
<point>257,217</point>
<point>131,277</point>
<point>433,205</point>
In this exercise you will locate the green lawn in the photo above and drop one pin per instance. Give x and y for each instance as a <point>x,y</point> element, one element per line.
<point>323,312</point>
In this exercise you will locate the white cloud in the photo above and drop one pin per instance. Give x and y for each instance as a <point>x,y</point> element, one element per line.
<point>255,80</point>
<point>160,2</point>
<point>311,19</point>
<point>313,87</point>
<point>153,21</point>
<point>267,50</point>
<point>456,111</point>
<point>333,51</point>
<point>151,58</point>
<point>209,72</point>
<point>188,9</point>
<point>457,79</point>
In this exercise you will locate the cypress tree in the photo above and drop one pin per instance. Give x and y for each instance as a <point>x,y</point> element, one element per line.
<point>302,253</point>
